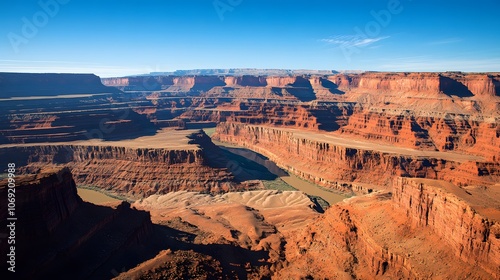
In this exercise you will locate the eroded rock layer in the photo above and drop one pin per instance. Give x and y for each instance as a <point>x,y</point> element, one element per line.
<point>422,232</point>
<point>326,159</point>
<point>473,237</point>
<point>130,170</point>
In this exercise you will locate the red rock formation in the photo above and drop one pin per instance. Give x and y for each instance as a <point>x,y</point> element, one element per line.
<point>245,81</point>
<point>399,130</point>
<point>325,163</point>
<point>481,85</point>
<point>281,81</point>
<point>389,82</point>
<point>47,198</point>
<point>429,83</point>
<point>134,172</point>
<point>370,238</point>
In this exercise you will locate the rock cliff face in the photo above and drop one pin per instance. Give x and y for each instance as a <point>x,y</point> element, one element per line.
<point>450,132</point>
<point>132,171</point>
<point>474,238</point>
<point>47,199</point>
<point>390,82</point>
<point>24,84</point>
<point>421,232</point>
<point>426,111</point>
<point>59,236</point>
<point>458,84</point>
<point>481,85</point>
<point>65,119</point>
<point>325,162</point>
<point>431,84</point>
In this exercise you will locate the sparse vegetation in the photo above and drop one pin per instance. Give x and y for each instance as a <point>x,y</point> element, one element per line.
<point>277,184</point>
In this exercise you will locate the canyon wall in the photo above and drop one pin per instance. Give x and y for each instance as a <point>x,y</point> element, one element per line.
<point>391,82</point>
<point>47,198</point>
<point>431,84</point>
<point>447,132</point>
<point>418,232</point>
<point>325,163</point>
<point>458,84</point>
<point>107,116</point>
<point>474,238</point>
<point>131,171</point>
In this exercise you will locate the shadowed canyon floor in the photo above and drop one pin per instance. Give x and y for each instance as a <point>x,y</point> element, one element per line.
<point>398,175</point>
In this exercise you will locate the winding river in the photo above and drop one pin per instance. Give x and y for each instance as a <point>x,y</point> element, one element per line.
<point>290,179</point>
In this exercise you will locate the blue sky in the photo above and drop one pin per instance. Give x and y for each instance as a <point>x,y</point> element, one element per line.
<point>116,38</point>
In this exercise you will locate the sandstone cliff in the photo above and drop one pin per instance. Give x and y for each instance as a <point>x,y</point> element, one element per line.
<point>473,238</point>
<point>458,84</point>
<point>133,171</point>
<point>370,238</point>
<point>47,198</point>
<point>67,119</point>
<point>428,84</point>
<point>326,159</point>
<point>59,236</point>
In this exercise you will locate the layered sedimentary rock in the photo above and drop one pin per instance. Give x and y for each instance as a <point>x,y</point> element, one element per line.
<point>325,159</point>
<point>448,132</point>
<point>106,116</point>
<point>429,111</point>
<point>458,84</point>
<point>474,238</point>
<point>481,84</point>
<point>371,238</point>
<point>48,198</point>
<point>59,236</point>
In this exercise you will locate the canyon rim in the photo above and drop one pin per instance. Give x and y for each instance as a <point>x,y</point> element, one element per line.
<point>260,158</point>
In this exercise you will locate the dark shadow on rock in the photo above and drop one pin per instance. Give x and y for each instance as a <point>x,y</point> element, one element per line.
<point>332,87</point>
<point>256,158</point>
<point>244,169</point>
<point>302,89</point>
<point>496,83</point>
<point>329,117</point>
<point>451,87</point>
<point>302,94</point>
<point>206,83</point>
<point>232,257</point>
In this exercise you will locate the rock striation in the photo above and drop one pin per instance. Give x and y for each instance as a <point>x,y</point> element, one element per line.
<point>451,83</point>
<point>473,238</point>
<point>328,159</point>
<point>421,231</point>
<point>133,171</point>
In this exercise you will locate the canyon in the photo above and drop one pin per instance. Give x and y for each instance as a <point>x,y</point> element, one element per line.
<point>415,156</point>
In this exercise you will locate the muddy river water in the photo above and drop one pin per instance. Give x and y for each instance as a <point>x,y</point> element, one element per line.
<point>290,179</point>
